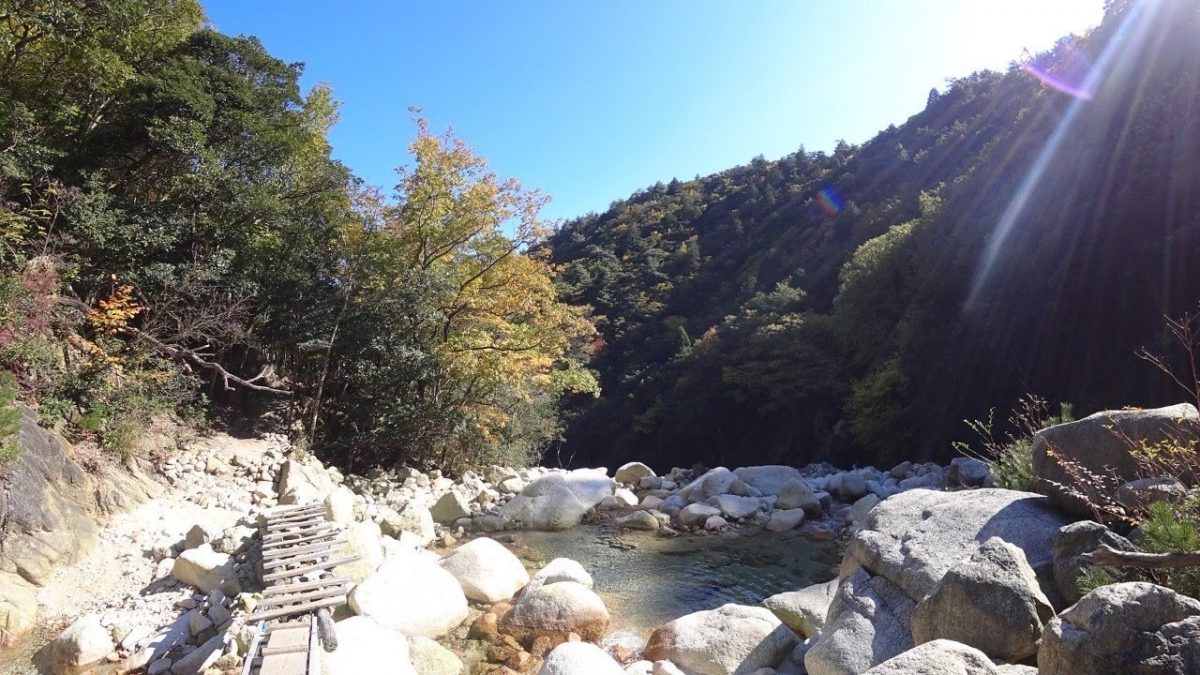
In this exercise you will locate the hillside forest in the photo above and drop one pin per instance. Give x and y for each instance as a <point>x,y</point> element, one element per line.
<point>178,243</point>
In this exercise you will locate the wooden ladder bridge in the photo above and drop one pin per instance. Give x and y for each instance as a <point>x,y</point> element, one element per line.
<point>293,618</point>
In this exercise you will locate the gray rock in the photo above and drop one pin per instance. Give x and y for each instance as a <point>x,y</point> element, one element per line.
<point>727,640</point>
<point>860,509</point>
<point>633,472</point>
<point>852,487</point>
<point>769,480</point>
<point>412,518</point>
<point>579,658</point>
<point>364,645</point>
<point>412,595</point>
<point>83,643</point>
<point>1073,541</point>
<point>914,537</point>
<point>303,482</point>
<point>797,494</point>
<point>788,519</point>
<point>545,504</point>
<point>990,601</point>
<point>694,515</point>
<point>199,659</point>
<point>18,605</point>
<point>561,569</point>
<point>486,570</point>
<point>430,658</point>
<point>968,471</point>
<point>554,610</point>
<point>1103,443</point>
<point>868,623</point>
<point>1132,627</point>
<point>450,507</point>
<point>200,534</point>
<point>205,569</point>
<point>1138,495</point>
<point>804,611</point>
<point>714,482</point>
<point>940,657</point>
<point>339,505</point>
<point>737,507</point>
<point>639,520</point>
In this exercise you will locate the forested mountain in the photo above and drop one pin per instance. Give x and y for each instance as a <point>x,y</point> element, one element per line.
<point>1026,232</point>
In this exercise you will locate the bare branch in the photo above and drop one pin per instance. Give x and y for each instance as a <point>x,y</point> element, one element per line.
<point>1106,556</point>
<point>194,357</point>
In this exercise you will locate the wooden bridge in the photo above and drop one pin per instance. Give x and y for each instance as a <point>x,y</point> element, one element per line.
<point>293,618</point>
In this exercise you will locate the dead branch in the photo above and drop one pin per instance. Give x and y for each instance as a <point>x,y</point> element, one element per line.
<point>195,358</point>
<point>1106,556</point>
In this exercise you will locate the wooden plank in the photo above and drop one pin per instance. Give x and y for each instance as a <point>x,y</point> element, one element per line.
<point>315,556</point>
<point>281,535</point>
<point>253,650</point>
<point>328,564</point>
<point>285,664</point>
<point>291,518</point>
<point>314,665</point>
<point>275,545</point>
<point>294,508</point>
<point>319,583</point>
<point>291,649</point>
<point>307,523</point>
<point>282,552</point>
<point>297,609</point>
<point>277,600</point>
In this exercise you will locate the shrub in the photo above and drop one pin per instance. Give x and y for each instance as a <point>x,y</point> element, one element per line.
<point>1011,456</point>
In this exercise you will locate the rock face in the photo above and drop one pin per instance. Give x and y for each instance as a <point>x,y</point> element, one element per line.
<point>914,537</point>
<point>578,658</point>
<point>1103,442</point>
<point>554,610</point>
<point>729,639</point>
<point>83,643</point>
<point>1073,541</point>
<point>804,611</point>
<point>940,657</point>
<point>868,623</point>
<point>412,595</point>
<point>486,570</point>
<point>990,601</point>
<point>364,646</point>
<point>1130,627</point>
<point>207,570</point>
<point>48,506</point>
<point>545,504</point>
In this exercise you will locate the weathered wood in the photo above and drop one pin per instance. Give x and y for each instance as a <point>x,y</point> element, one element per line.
<point>319,583</point>
<point>290,649</point>
<point>325,628</point>
<point>314,664</point>
<point>296,525</point>
<point>294,517</point>
<point>276,545</point>
<point>282,535</point>
<point>328,564</point>
<point>293,508</point>
<point>297,609</point>
<point>278,600</point>
<point>1106,556</point>
<point>319,548</point>
<point>315,556</point>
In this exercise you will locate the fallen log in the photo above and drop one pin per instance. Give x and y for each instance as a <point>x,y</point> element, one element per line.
<point>1106,556</point>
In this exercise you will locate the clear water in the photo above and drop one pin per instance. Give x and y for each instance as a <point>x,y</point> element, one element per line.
<point>646,580</point>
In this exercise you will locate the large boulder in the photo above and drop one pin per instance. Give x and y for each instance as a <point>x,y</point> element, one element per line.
<point>712,483</point>
<point>207,570</point>
<point>562,569</point>
<point>729,639</point>
<point>413,518</point>
<point>786,519</point>
<point>804,611</point>
<point>365,646</point>
<point>914,537</point>
<point>303,482</point>
<point>639,520</point>
<point>1103,444</point>
<point>450,507</point>
<point>798,494</point>
<point>412,595</point>
<point>339,505</point>
<point>554,610</point>
<point>430,658</point>
<point>990,601</point>
<point>83,643</point>
<point>545,504</point>
<point>940,657</point>
<point>631,473</point>
<point>737,507</point>
<point>869,622</point>
<point>486,570</point>
<point>579,658</point>
<point>1072,543</point>
<point>590,486</point>
<point>365,541</point>
<point>1133,627</point>
<point>694,515</point>
<point>769,479</point>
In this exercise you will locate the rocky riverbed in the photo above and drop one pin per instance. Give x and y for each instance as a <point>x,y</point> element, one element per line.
<point>917,568</point>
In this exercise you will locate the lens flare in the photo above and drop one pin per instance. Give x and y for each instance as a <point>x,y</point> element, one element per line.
<point>1069,73</point>
<point>830,202</point>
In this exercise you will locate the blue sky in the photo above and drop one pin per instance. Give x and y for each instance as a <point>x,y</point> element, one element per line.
<point>590,101</point>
